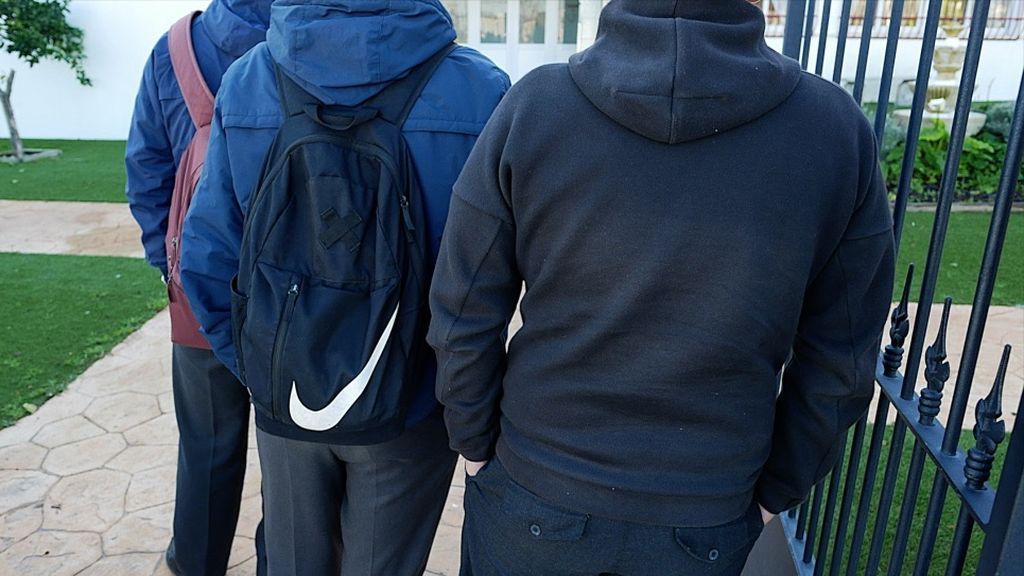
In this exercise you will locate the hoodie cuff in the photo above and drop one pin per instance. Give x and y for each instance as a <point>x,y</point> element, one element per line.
<point>475,448</point>
<point>772,494</point>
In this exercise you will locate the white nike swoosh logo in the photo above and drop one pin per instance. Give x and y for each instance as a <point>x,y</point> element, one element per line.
<point>329,416</point>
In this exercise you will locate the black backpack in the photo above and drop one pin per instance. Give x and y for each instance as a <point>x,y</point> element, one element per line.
<point>329,308</point>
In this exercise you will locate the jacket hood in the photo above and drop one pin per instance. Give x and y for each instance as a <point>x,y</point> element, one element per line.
<point>679,70</point>
<point>235,26</point>
<point>345,51</point>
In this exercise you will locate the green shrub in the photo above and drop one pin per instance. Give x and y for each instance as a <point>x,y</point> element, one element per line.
<point>981,165</point>
<point>1000,116</point>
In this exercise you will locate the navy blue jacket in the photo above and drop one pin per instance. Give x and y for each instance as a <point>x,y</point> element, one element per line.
<point>342,52</point>
<point>161,128</point>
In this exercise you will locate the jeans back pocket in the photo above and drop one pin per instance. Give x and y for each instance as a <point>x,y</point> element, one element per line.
<point>542,520</point>
<point>721,543</point>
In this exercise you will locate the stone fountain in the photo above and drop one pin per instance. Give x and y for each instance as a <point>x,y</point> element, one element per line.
<point>944,87</point>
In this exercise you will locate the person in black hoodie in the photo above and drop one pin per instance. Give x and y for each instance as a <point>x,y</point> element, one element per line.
<point>691,216</point>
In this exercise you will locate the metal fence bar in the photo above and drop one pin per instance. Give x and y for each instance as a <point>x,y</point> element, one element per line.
<point>830,509</point>
<point>826,15</point>
<point>844,32</point>
<point>929,404</point>
<point>983,296</point>
<point>987,273</point>
<point>942,212</point>
<point>812,524</point>
<point>961,542</point>
<point>885,500</point>
<point>892,358</point>
<point>938,239</point>
<point>924,66</point>
<point>870,7</point>
<point>853,466</point>
<point>843,524</point>
<point>808,34</point>
<point>899,545</point>
<point>801,523</point>
<point>888,67</point>
<point>989,432</point>
<point>1002,553</point>
<point>793,30</point>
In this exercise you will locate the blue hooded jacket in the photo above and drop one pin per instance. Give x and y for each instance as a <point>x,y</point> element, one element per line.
<point>342,52</point>
<point>161,127</point>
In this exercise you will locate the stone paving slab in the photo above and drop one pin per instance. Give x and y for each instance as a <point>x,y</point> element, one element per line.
<point>87,482</point>
<point>78,228</point>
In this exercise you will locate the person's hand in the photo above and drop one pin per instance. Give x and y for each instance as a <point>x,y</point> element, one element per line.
<point>473,467</point>
<point>766,516</point>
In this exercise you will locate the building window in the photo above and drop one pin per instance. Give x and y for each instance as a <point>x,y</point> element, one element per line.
<point>774,15</point>
<point>1004,20</point>
<point>459,10</point>
<point>494,21</point>
<point>569,21</point>
<point>531,21</point>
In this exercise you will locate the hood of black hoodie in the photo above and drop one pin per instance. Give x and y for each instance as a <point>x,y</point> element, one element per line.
<point>679,70</point>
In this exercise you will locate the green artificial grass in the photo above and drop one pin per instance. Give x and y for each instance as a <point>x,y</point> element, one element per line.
<point>87,171</point>
<point>947,524</point>
<point>961,257</point>
<point>59,314</point>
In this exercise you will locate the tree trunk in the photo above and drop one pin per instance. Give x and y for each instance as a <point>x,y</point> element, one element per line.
<point>5,100</point>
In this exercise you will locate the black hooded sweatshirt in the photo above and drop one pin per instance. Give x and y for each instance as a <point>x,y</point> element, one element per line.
<point>689,213</point>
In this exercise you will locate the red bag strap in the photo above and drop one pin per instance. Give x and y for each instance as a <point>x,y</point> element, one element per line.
<point>198,98</point>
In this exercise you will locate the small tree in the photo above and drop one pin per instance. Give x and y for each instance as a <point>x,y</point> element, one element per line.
<point>35,30</point>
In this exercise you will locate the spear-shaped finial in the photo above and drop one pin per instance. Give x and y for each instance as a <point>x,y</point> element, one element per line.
<point>899,328</point>
<point>989,430</point>
<point>936,371</point>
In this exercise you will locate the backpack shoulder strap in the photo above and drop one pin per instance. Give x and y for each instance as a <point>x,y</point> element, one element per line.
<point>198,98</point>
<point>393,104</point>
<point>397,100</point>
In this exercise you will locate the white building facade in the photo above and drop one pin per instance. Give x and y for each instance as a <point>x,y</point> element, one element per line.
<point>518,35</point>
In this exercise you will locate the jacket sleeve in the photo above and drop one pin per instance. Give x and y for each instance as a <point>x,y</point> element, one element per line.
<point>149,163</point>
<point>829,381</point>
<point>474,293</point>
<point>212,239</point>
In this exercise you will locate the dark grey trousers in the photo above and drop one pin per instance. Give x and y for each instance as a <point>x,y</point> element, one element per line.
<point>354,510</point>
<point>212,410</point>
<point>509,531</point>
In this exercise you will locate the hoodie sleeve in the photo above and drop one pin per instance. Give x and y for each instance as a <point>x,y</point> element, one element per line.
<point>829,382</point>
<point>474,293</point>
<point>150,168</point>
<point>212,240</point>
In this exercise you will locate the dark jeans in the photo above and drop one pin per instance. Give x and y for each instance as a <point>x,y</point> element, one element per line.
<point>509,531</point>
<point>357,510</point>
<point>212,410</point>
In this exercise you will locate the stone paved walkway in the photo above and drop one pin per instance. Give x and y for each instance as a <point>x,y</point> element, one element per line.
<point>87,482</point>
<point>83,228</point>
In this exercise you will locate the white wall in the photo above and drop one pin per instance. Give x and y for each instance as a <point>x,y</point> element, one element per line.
<point>49,103</point>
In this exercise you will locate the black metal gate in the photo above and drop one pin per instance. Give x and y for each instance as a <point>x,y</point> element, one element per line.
<point>837,531</point>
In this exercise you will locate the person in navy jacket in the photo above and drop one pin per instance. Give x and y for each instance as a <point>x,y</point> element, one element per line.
<point>211,406</point>
<point>365,509</point>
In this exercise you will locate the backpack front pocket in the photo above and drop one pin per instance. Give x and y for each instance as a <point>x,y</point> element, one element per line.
<point>336,358</point>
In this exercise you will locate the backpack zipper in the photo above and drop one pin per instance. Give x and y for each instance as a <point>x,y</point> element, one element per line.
<point>407,217</point>
<point>282,333</point>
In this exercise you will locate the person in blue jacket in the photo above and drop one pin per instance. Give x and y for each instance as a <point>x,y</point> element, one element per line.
<point>363,509</point>
<point>211,406</point>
